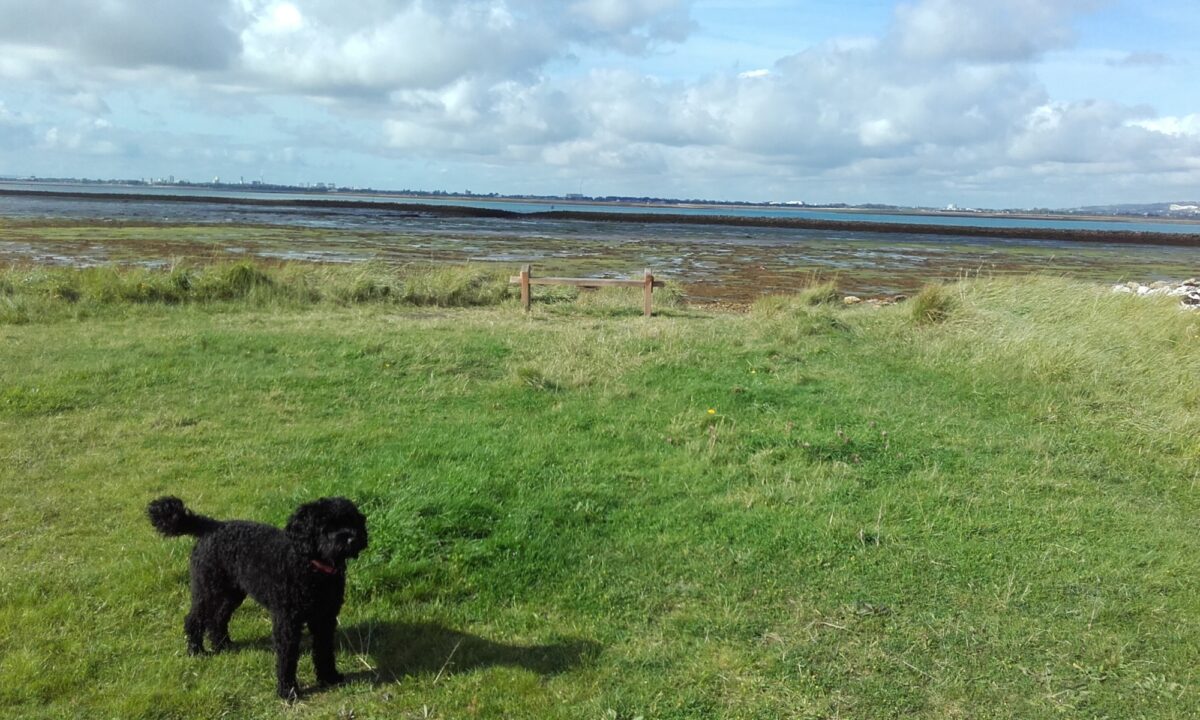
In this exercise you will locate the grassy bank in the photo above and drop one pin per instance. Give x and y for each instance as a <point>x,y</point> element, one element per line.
<point>979,506</point>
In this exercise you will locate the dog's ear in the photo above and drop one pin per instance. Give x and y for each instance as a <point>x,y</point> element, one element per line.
<point>303,530</point>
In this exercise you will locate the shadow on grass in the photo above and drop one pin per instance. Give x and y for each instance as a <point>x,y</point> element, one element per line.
<point>398,650</point>
<point>386,652</point>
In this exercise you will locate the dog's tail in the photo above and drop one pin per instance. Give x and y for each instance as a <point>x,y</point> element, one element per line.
<point>169,516</point>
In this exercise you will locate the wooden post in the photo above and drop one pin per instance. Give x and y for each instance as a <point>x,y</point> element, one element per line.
<point>647,281</point>
<point>647,292</point>
<point>525,294</point>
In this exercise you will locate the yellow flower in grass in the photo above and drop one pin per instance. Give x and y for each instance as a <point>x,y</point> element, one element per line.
<point>712,411</point>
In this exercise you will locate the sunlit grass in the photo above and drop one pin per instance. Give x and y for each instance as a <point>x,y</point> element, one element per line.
<point>805,511</point>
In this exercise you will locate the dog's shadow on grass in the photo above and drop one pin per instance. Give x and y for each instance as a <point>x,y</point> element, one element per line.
<point>386,652</point>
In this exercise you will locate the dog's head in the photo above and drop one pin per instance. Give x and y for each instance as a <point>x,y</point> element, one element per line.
<point>331,530</point>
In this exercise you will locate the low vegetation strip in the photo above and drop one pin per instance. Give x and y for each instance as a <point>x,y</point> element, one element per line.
<point>31,293</point>
<point>981,505</point>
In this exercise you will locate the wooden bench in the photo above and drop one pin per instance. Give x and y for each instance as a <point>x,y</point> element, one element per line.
<point>526,279</point>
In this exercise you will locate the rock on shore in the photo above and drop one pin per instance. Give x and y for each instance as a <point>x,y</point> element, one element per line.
<point>1187,291</point>
<point>875,301</point>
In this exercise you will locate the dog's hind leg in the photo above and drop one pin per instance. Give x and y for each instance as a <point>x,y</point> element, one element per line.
<point>218,631</point>
<point>324,661</point>
<point>202,617</point>
<point>206,589</point>
<point>285,631</point>
<point>193,628</point>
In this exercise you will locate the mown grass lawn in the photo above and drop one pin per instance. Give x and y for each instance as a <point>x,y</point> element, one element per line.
<point>807,511</point>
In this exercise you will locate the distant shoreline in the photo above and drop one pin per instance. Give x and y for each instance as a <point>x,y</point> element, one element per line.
<point>401,197</point>
<point>1132,237</point>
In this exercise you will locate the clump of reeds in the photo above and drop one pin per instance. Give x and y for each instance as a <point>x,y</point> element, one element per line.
<point>817,294</point>
<point>453,286</point>
<point>820,293</point>
<point>933,304</point>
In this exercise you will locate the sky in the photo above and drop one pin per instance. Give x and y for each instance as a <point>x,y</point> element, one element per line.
<point>977,103</point>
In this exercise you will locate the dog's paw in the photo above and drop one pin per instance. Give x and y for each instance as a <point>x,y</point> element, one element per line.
<point>288,693</point>
<point>334,678</point>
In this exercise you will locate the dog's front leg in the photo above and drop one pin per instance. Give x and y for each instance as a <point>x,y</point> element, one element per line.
<point>286,634</point>
<point>324,661</point>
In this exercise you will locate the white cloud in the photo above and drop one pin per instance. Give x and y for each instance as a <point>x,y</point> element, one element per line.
<point>983,30</point>
<point>481,118</point>
<point>281,17</point>
<point>947,95</point>
<point>193,35</point>
<point>325,47</point>
<point>861,110</point>
<point>87,138</point>
<point>1185,126</point>
<point>416,46</point>
<point>632,25</point>
<point>377,47</point>
<point>879,133</point>
<point>1081,133</point>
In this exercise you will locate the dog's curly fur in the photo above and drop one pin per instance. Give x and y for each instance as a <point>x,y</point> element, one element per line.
<point>297,573</point>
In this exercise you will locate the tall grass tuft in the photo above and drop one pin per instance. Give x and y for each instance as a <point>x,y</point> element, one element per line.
<point>933,304</point>
<point>819,293</point>
<point>787,322</point>
<point>453,286</point>
<point>110,285</point>
<point>232,282</point>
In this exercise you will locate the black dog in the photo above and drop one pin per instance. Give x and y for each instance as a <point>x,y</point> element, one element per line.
<point>297,573</point>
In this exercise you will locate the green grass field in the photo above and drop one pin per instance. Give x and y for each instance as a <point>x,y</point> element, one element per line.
<point>979,505</point>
